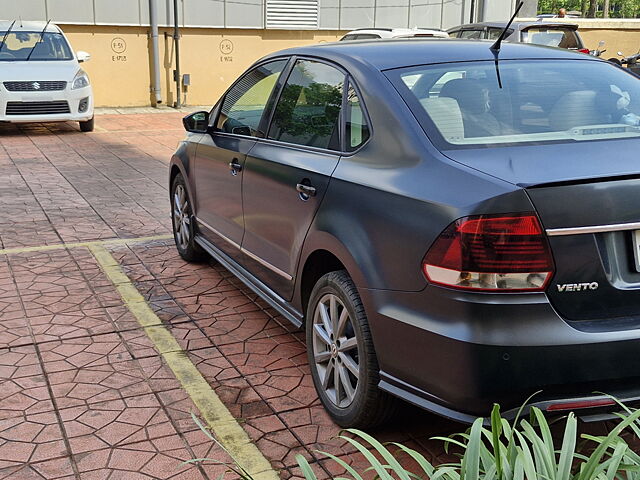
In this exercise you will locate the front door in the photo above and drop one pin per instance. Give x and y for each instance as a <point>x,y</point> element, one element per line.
<point>287,174</point>
<point>221,155</point>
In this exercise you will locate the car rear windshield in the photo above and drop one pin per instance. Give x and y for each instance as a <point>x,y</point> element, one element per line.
<point>20,46</point>
<point>471,104</point>
<point>551,37</point>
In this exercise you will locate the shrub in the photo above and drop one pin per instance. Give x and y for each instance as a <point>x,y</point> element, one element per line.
<point>522,450</point>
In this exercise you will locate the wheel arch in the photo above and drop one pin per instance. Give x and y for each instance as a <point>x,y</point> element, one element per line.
<point>180,164</point>
<point>323,253</point>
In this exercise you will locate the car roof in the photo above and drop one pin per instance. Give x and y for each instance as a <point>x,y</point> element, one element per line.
<point>517,25</point>
<point>395,31</point>
<point>27,26</point>
<point>385,54</point>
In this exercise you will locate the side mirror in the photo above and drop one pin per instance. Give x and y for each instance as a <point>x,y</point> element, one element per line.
<point>83,56</point>
<point>197,122</point>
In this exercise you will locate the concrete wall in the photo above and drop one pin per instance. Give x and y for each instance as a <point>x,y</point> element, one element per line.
<point>332,14</point>
<point>120,67</point>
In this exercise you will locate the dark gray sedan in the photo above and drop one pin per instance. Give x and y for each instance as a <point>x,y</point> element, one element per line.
<point>453,226</point>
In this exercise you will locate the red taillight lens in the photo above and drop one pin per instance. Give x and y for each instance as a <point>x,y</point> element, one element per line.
<point>506,252</point>
<point>584,50</point>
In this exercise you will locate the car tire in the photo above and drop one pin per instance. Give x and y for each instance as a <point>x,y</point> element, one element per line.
<point>87,126</point>
<point>362,406</point>
<point>182,221</point>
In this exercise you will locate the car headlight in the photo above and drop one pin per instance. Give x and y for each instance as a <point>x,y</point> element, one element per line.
<point>81,80</point>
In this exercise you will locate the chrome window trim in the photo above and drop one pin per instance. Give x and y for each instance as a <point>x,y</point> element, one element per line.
<point>262,262</point>
<point>614,227</point>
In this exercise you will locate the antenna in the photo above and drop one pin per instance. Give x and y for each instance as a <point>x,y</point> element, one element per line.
<point>496,46</point>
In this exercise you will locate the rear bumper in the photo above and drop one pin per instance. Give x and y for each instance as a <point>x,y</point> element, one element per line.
<point>72,97</point>
<point>458,353</point>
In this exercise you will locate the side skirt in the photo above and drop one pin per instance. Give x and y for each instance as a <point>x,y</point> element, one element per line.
<point>281,305</point>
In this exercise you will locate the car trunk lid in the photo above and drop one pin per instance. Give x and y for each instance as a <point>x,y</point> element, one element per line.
<point>588,199</point>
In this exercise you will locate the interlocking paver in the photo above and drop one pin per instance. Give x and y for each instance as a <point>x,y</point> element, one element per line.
<point>83,392</point>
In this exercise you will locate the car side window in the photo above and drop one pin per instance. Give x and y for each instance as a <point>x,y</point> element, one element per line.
<point>308,110</point>
<point>471,34</point>
<point>357,129</point>
<point>245,102</point>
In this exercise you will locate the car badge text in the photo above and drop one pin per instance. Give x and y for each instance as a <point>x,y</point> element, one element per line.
<point>35,85</point>
<point>577,287</point>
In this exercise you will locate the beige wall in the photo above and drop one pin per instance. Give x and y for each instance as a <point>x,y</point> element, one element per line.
<point>123,77</point>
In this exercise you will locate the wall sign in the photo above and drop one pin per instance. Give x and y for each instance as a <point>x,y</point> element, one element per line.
<point>226,48</point>
<point>119,47</point>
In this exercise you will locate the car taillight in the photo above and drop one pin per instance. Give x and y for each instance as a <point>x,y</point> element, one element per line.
<point>492,253</point>
<point>584,50</point>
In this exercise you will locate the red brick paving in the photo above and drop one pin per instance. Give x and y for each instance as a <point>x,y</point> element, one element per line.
<point>83,393</point>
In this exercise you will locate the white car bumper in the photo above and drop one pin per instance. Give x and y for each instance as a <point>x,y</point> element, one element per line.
<point>46,106</point>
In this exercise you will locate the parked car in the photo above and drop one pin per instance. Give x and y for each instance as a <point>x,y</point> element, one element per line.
<point>444,237</point>
<point>551,34</point>
<point>40,76</point>
<point>374,33</point>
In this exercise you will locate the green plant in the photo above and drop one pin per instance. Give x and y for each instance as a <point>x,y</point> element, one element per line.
<point>521,450</point>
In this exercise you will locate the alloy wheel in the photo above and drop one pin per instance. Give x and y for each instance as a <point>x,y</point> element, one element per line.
<point>181,217</point>
<point>335,350</point>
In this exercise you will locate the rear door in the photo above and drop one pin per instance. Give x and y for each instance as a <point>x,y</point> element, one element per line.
<point>287,174</point>
<point>220,156</point>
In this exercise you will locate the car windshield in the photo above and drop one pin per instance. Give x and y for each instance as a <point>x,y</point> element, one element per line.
<point>19,45</point>
<point>551,37</point>
<point>462,105</point>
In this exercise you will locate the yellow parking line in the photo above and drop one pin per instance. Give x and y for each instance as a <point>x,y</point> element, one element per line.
<point>60,246</point>
<point>223,425</point>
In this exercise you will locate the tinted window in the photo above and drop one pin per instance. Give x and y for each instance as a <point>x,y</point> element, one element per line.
<point>309,106</point>
<point>244,104</point>
<point>351,36</point>
<point>472,34</point>
<point>494,33</point>
<point>19,45</point>
<point>367,36</point>
<point>552,37</point>
<point>539,101</point>
<point>357,130</point>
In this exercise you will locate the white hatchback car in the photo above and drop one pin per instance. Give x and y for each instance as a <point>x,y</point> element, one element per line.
<point>373,33</point>
<point>40,76</point>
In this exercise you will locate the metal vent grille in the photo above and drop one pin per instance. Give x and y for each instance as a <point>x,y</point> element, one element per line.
<point>34,86</point>
<point>37,108</point>
<point>300,14</point>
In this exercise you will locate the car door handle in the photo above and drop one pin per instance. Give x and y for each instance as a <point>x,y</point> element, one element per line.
<point>307,190</point>
<point>234,166</point>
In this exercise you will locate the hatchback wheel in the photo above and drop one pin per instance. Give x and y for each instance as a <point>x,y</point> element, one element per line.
<point>183,229</point>
<point>341,355</point>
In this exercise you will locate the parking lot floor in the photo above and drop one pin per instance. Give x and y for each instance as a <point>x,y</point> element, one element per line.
<point>109,342</point>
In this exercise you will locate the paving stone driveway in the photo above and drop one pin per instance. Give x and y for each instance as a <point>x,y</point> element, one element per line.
<point>83,392</point>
